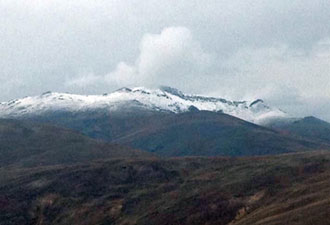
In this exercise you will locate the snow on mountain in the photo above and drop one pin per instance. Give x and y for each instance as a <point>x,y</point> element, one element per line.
<point>163,99</point>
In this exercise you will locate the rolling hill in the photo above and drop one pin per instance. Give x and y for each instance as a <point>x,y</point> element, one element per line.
<point>199,133</point>
<point>28,143</point>
<point>193,133</point>
<point>308,127</point>
<point>204,133</point>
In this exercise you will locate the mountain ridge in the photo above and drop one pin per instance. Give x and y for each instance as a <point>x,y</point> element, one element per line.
<point>165,98</point>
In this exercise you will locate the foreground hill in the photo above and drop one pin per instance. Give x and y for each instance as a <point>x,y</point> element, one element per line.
<point>290,189</point>
<point>30,144</point>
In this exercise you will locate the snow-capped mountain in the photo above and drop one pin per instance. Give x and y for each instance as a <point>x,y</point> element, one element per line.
<point>164,99</point>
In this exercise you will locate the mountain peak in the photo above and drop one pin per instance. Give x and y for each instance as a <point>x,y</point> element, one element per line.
<point>46,93</point>
<point>124,89</point>
<point>256,102</point>
<point>312,119</point>
<point>171,90</point>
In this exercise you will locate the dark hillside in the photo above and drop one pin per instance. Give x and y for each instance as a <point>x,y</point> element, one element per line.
<point>195,133</point>
<point>206,133</point>
<point>308,127</point>
<point>286,189</point>
<point>31,144</point>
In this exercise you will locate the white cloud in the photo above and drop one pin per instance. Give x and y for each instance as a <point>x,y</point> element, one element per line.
<point>123,75</point>
<point>171,54</point>
<point>259,68</point>
<point>167,58</point>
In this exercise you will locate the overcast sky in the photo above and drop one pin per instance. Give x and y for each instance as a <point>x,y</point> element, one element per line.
<point>278,50</point>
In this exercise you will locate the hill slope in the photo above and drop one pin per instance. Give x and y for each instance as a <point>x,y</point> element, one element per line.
<point>30,144</point>
<point>287,190</point>
<point>204,133</point>
<point>194,133</point>
<point>308,127</point>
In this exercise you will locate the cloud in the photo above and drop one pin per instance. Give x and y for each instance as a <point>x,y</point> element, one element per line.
<point>291,79</point>
<point>275,49</point>
<point>123,75</point>
<point>171,54</point>
<point>307,72</point>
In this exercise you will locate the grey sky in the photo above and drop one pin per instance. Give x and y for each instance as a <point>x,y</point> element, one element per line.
<point>278,50</point>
